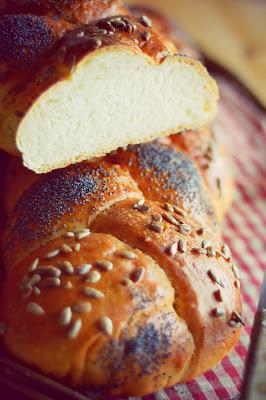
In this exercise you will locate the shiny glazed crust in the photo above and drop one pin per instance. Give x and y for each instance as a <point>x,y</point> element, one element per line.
<point>169,290</point>
<point>74,11</point>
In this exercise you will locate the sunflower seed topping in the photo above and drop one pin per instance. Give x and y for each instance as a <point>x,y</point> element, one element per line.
<point>233,323</point>
<point>182,246</point>
<point>34,265</point>
<point>75,329</point>
<point>36,278</point>
<point>36,291</point>
<point>66,249</point>
<point>3,328</point>
<point>168,207</point>
<point>51,282</point>
<point>145,21</point>
<point>179,211</point>
<point>82,307</point>
<point>226,251</point>
<point>185,229</point>
<point>142,207</point>
<point>128,254</point>
<point>67,267</point>
<point>35,308</point>
<point>155,226</point>
<point>237,317</point>
<point>218,295</point>
<point>93,277</point>
<point>93,293</point>
<point>157,217</point>
<point>205,244</point>
<point>65,316</point>
<point>212,276</point>
<point>52,253</point>
<point>171,219</point>
<point>172,249</point>
<point>218,312</point>
<point>48,270</point>
<point>69,235</point>
<point>83,269</point>
<point>83,233</point>
<point>77,247</point>
<point>137,275</point>
<point>104,265</point>
<point>106,325</point>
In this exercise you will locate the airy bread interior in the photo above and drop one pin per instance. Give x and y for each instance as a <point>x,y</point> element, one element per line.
<point>115,97</point>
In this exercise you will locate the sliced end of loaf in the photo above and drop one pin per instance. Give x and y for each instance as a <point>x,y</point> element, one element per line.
<point>116,96</point>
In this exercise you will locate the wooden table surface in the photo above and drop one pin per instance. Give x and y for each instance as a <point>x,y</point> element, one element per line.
<point>230,32</point>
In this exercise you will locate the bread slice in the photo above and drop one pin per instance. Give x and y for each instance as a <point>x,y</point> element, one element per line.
<point>105,85</point>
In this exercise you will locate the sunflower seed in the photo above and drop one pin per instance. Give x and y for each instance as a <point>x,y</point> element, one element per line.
<point>75,329</point>
<point>48,270</point>
<point>233,323</point>
<point>218,295</point>
<point>218,312</point>
<point>142,207</point>
<point>93,293</point>
<point>205,244</point>
<point>106,325</point>
<point>179,211</point>
<point>83,269</point>
<point>82,307</point>
<point>65,316</point>
<point>51,282</point>
<point>212,276</point>
<point>137,275</point>
<point>145,21</point>
<point>226,251</point>
<point>93,277</point>
<point>128,254</point>
<point>67,268</point>
<point>65,248</point>
<point>171,219</point>
<point>36,291</point>
<point>168,207</point>
<point>52,253</point>
<point>182,246</point>
<point>104,265</point>
<point>77,247</point>
<point>157,217</point>
<point>172,249</point>
<point>69,235</point>
<point>36,278</point>
<point>35,308</point>
<point>155,226</point>
<point>83,233</point>
<point>237,317</point>
<point>185,229</point>
<point>34,265</point>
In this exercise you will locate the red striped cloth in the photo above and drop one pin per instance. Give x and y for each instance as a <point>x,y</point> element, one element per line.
<point>240,123</point>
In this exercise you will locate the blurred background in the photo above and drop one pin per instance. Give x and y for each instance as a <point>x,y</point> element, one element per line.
<point>230,32</point>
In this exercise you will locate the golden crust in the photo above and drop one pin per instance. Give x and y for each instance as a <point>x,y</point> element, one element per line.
<point>74,11</point>
<point>201,315</point>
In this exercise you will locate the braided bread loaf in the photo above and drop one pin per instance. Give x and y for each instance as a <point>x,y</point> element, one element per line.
<point>116,275</point>
<point>128,287</point>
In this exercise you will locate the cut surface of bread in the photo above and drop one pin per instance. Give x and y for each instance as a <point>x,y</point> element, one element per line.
<point>108,84</point>
<point>115,98</point>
